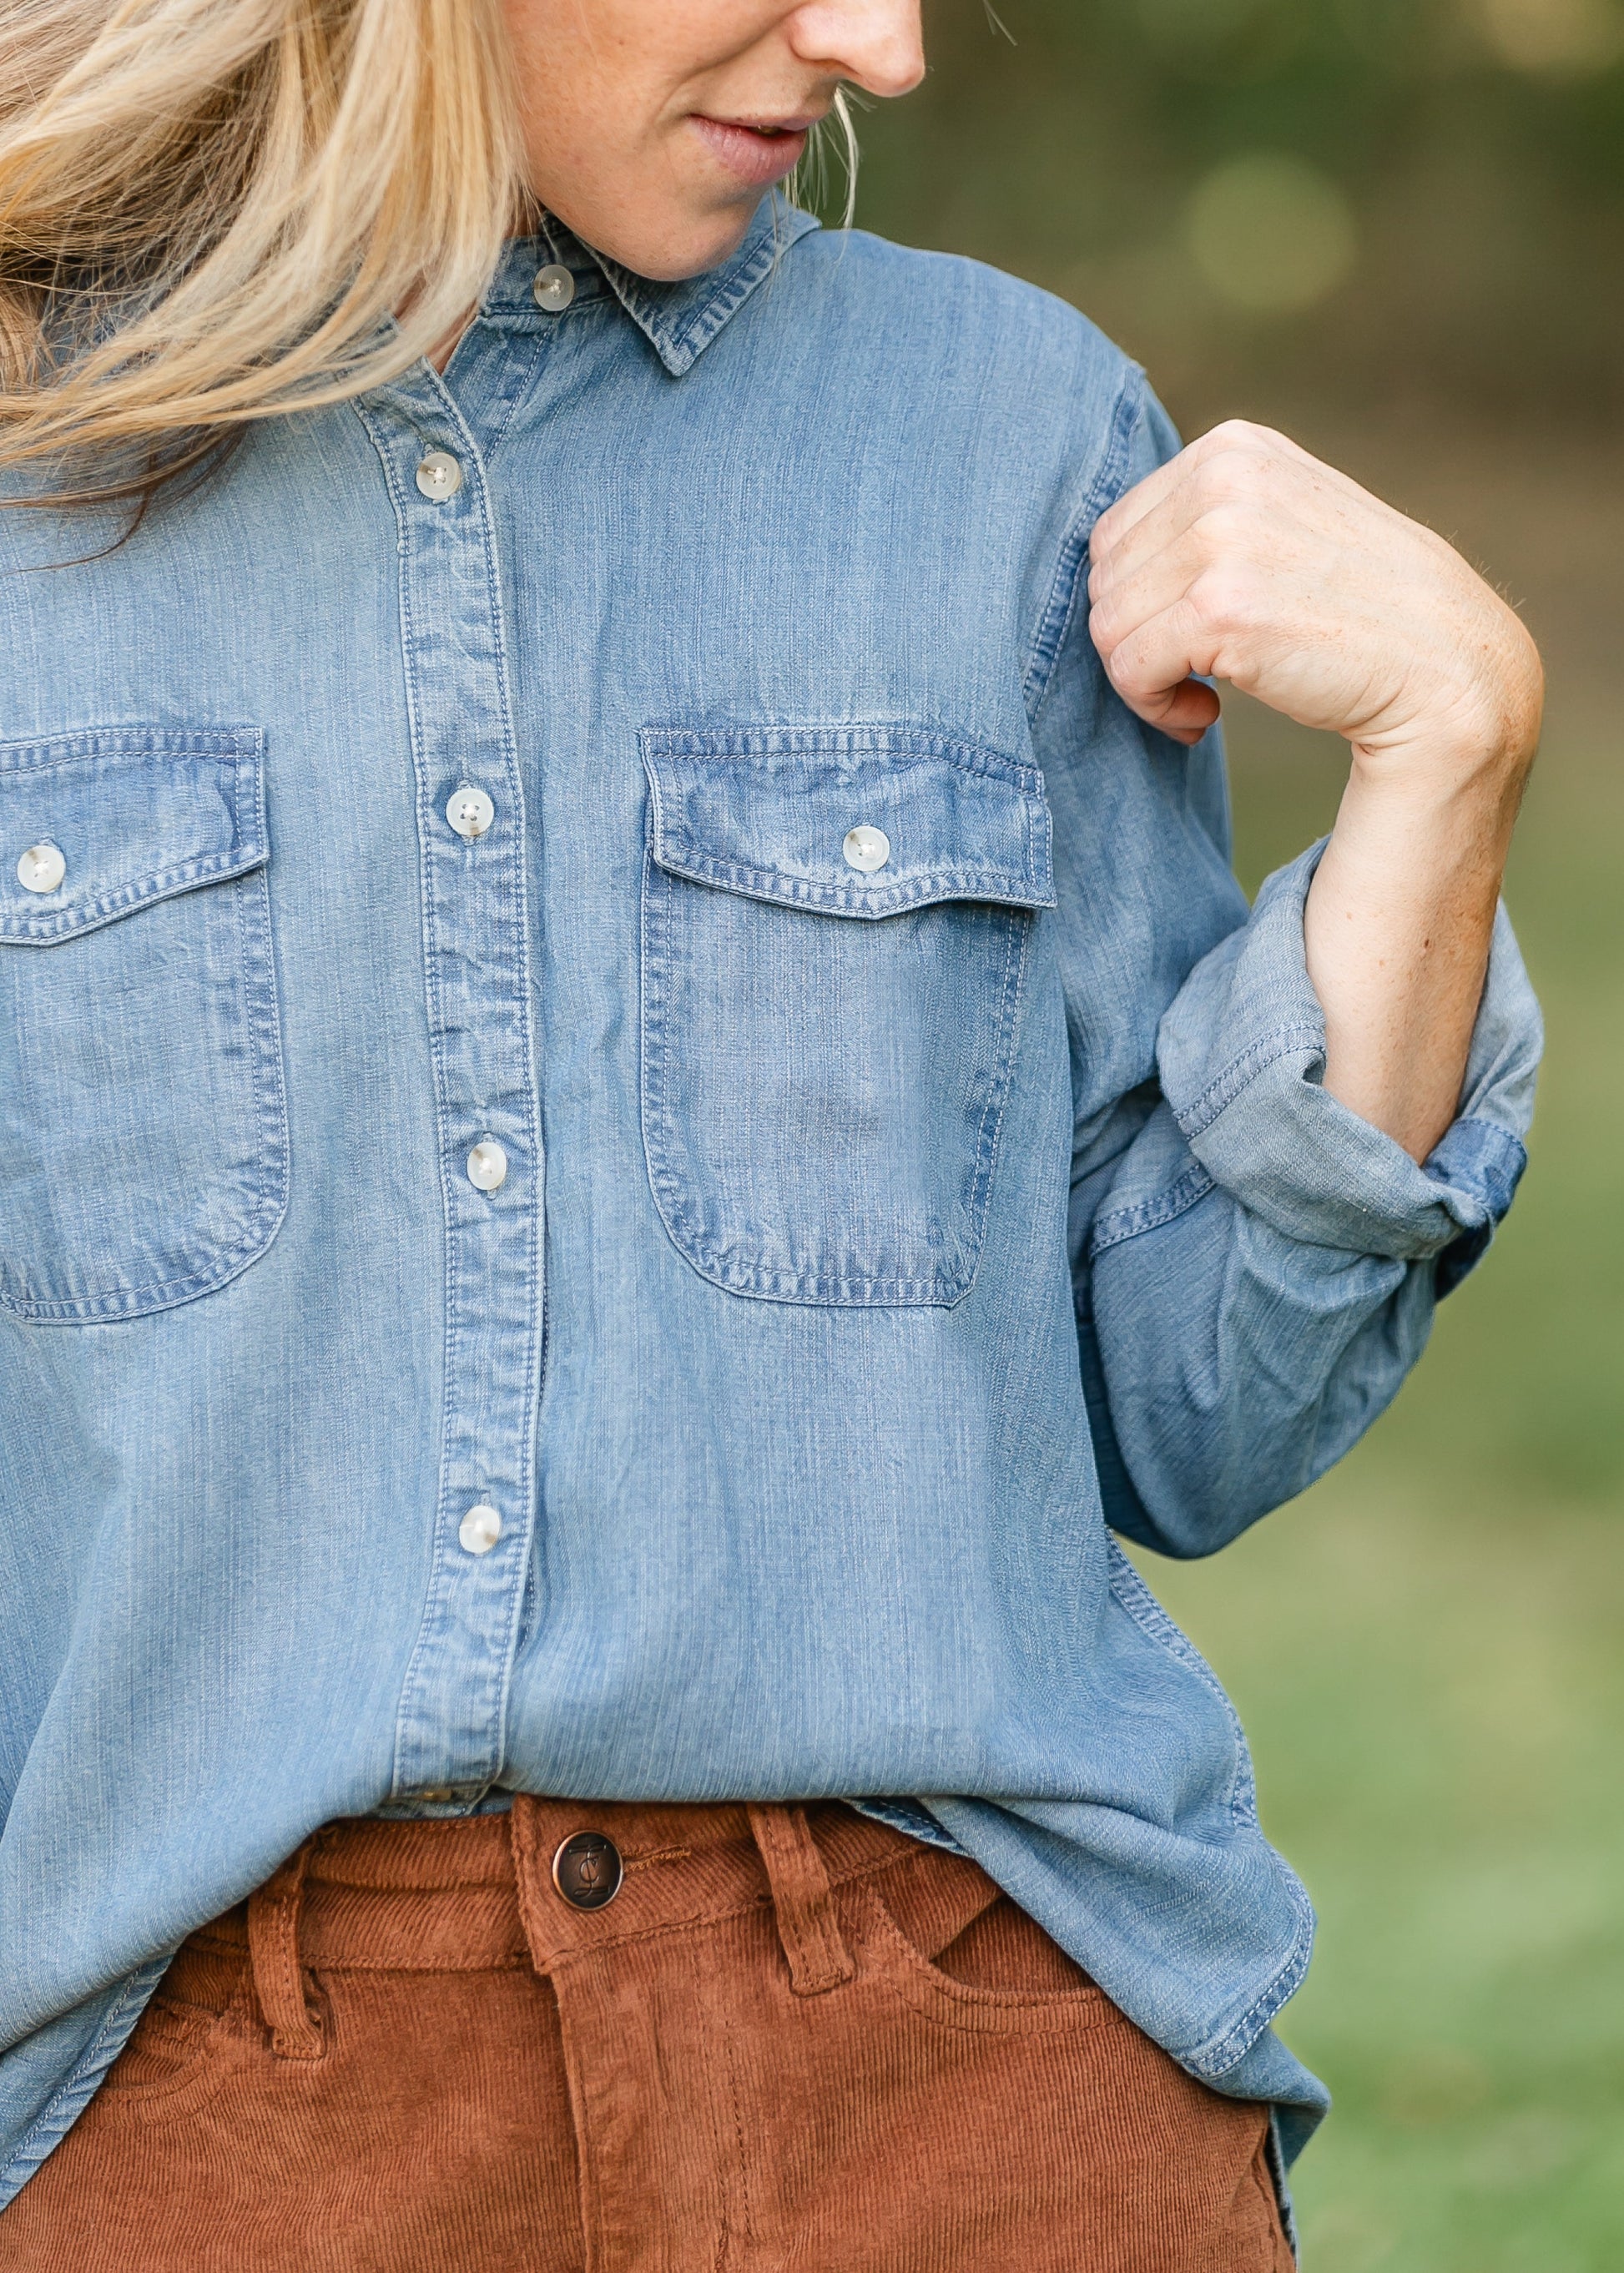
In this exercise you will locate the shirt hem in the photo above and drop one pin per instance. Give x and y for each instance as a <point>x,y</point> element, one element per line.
<point>64,2109</point>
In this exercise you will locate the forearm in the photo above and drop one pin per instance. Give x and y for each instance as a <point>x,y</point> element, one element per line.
<point>1398,925</point>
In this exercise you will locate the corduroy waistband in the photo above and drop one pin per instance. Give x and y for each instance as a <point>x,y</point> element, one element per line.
<point>478,1893</point>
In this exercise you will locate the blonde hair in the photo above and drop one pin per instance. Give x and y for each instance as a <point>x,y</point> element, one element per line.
<point>216,211</point>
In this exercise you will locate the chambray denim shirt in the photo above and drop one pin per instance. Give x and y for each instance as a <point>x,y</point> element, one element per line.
<point>668,749</point>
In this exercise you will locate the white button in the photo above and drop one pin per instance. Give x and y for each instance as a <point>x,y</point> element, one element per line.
<point>470,811</point>
<point>440,477</point>
<point>487,1165</point>
<point>41,868</point>
<point>554,288</point>
<point>866,849</point>
<point>480,1529</point>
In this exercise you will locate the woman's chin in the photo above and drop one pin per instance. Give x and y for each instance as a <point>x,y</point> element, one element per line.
<point>677,244</point>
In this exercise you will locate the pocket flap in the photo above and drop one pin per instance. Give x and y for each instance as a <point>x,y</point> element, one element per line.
<point>136,813</point>
<point>855,821</point>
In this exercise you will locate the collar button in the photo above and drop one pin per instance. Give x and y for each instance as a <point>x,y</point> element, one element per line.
<point>554,288</point>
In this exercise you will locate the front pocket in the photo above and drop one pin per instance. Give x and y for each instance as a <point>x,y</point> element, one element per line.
<point>938,1995</point>
<point>836,926</point>
<point>143,1132</point>
<point>178,2058</point>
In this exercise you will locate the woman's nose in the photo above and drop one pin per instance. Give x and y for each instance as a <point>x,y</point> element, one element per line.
<point>878,45</point>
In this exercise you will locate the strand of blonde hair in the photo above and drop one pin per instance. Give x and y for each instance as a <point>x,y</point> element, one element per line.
<point>214,211</point>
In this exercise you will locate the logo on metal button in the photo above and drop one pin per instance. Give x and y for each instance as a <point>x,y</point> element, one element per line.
<point>587,1870</point>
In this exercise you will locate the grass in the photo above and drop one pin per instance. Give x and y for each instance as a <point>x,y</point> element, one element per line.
<point>1428,1650</point>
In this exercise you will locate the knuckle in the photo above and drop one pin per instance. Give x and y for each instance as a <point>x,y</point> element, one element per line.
<point>1227,444</point>
<point>1242,434</point>
<point>1234,475</point>
<point>1225,598</point>
<point>1223,524</point>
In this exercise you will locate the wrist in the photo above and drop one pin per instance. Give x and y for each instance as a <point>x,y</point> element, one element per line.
<point>1440,781</point>
<point>1478,739</point>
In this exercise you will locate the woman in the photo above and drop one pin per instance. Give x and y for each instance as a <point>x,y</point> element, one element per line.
<point>636,1100</point>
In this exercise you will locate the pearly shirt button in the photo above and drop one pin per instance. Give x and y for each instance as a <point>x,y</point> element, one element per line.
<point>41,868</point>
<point>480,1529</point>
<point>440,477</point>
<point>866,849</point>
<point>554,288</point>
<point>470,811</point>
<point>487,1165</point>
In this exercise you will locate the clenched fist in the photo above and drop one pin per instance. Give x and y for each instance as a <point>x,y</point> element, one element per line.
<point>1245,560</point>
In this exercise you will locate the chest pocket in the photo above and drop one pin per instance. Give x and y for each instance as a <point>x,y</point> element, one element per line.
<point>143,1137</point>
<point>836,926</point>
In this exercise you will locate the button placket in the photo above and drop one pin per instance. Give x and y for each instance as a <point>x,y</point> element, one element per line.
<point>450,1726</point>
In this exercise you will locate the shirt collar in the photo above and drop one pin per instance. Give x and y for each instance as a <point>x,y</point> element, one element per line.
<point>679,320</point>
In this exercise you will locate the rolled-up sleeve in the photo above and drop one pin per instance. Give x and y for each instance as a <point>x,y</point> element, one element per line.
<point>1263,1266</point>
<point>1241,1056</point>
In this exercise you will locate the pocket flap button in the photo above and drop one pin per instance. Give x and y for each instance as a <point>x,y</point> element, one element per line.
<point>41,868</point>
<point>866,849</point>
<point>470,812</point>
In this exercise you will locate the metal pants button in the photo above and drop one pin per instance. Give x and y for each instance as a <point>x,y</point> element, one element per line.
<point>587,1870</point>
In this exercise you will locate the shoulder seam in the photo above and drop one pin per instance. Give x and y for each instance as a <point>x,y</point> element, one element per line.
<point>1054,623</point>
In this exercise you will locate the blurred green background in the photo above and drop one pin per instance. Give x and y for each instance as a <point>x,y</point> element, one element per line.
<point>1396,228</point>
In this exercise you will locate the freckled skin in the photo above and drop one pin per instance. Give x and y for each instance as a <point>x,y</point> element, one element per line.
<point>610,91</point>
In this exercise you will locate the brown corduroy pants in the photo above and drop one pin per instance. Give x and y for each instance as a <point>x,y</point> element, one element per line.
<point>794,2038</point>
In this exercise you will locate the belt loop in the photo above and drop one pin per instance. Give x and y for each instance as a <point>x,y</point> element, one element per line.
<point>532,1876</point>
<point>274,1955</point>
<point>808,1926</point>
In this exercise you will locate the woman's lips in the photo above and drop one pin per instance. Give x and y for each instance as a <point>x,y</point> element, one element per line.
<point>755,154</point>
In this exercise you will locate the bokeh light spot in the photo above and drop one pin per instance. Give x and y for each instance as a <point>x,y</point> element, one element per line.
<point>1554,35</point>
<point>1271,233</point>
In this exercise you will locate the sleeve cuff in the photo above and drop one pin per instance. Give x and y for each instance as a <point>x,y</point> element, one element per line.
<point>1242,1059</point>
